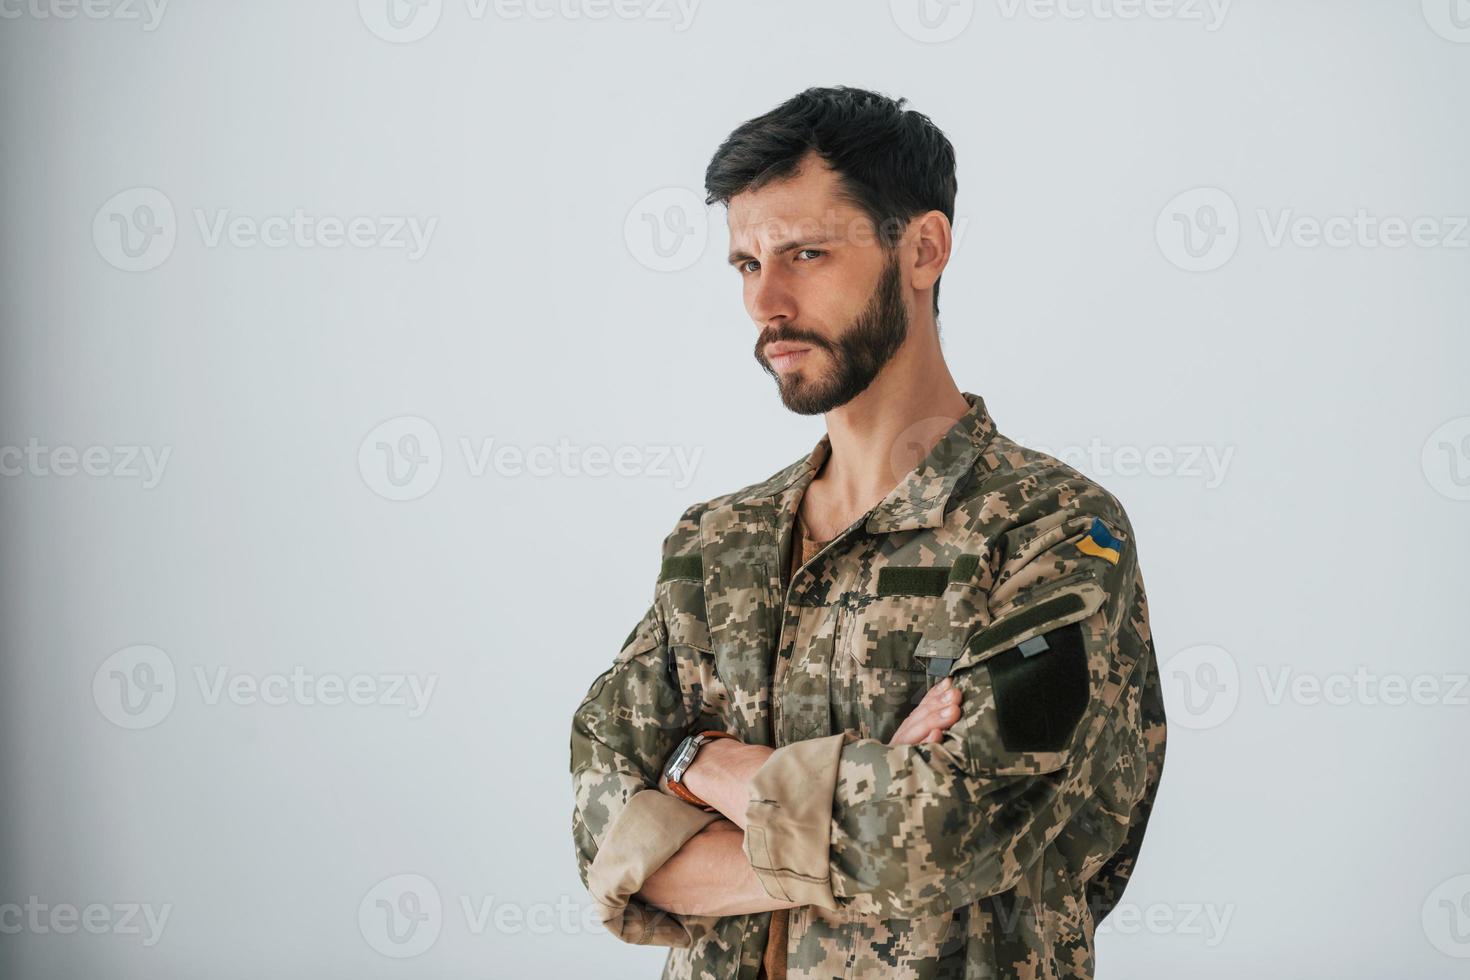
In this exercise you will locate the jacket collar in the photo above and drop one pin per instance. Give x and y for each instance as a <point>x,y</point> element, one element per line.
<point>920,498</point>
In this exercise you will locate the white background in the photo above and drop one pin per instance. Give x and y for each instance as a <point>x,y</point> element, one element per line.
<point>1327,380</point>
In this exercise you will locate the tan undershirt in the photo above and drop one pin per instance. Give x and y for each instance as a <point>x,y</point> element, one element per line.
<point>773,963</point>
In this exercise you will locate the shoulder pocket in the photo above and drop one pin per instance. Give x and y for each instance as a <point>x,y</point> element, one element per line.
<point>1069,600</point>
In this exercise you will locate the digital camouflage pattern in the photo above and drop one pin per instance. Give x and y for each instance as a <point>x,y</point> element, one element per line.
<point>992,853</point>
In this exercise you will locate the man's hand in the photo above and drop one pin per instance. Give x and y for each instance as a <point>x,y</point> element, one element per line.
<point>939,709</point>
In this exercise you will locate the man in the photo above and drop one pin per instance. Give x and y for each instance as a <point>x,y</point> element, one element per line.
<point>893,711</point>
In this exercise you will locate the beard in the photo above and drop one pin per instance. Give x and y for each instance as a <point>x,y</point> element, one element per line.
<point>858,353</point>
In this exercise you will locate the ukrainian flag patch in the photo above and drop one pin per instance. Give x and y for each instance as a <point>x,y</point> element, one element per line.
<point>1100,543</point>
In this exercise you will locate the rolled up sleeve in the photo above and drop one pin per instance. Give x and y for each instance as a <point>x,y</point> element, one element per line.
<point>648,831</point>
<point>788,832</point>
<point>624,829</point>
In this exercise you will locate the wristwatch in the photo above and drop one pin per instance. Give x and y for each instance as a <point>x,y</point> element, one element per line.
<point>679,762</point>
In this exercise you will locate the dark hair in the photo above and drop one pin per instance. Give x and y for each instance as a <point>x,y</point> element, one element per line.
<point>892,163</point>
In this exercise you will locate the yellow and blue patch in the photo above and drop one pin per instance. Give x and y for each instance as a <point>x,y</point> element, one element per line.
<point>1100,543</point>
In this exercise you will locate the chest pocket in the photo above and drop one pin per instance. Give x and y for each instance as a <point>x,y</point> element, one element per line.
<point>878,676</point>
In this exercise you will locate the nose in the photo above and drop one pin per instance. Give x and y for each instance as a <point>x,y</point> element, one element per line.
<point>768,299</point>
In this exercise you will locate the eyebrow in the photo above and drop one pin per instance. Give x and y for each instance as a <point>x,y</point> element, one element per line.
<point>737,257</point>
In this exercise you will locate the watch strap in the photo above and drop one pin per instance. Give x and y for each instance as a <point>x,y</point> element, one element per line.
<point>679,789</point>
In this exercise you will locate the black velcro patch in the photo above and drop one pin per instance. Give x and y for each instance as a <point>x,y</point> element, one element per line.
<point>1014,625</point>
<point>912,580</point>
<point>1039,699</point>
<point>682,566</point>
<point>964,568</point>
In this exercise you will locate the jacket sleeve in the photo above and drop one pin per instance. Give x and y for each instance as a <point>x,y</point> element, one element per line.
<point>1049,670</point>
<point>623,827</point>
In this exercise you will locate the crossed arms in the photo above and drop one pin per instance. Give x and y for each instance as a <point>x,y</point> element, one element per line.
<point>710,874</point>
<point>905,828</point>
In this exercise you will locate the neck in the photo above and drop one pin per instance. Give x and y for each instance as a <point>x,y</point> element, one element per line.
<point>883,433</point>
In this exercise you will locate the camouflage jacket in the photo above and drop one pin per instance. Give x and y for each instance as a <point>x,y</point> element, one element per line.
<point>991,853</point>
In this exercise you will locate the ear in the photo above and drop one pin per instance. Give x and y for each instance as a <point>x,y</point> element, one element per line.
<point>933,240</point>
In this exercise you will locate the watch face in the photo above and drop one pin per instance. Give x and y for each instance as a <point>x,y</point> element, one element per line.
<point>683,755</point>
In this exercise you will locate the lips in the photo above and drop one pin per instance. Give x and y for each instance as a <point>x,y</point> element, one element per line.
<point>780,361</point>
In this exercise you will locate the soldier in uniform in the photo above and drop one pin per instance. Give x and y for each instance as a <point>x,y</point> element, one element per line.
<point>892,711</point>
